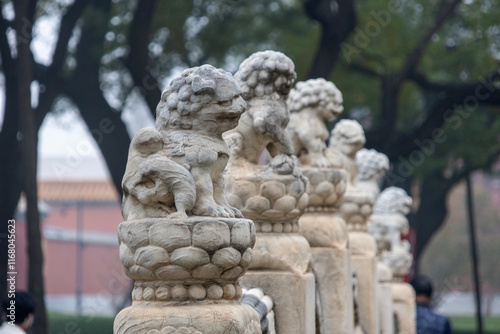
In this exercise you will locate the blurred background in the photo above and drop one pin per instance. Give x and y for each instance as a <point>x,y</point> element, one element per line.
<point>80,77</point>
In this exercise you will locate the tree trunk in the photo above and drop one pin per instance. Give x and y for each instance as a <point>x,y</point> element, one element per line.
<point>28,153</point>
<point>432,209</point>
<point>10,185</point>
<point>104,123</point>
<point>326,56</point>
<point>473,253</point>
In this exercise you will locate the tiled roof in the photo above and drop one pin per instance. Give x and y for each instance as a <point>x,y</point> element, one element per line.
<point>94,191</point>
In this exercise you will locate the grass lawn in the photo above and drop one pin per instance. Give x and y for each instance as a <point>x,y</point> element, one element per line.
<point>466,325</point>
<point>60,323</point>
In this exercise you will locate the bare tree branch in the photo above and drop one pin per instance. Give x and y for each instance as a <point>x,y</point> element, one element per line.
<point>463,98</point>
<point>365,70</point>
<point>417,52</point>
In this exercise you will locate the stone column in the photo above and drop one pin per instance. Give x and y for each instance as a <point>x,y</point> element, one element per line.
<point>385,300</point>
<point>372,168</point>
<point>186,275</point>
<point>181,243</point>
<point>273,196</point>
<point>347,138</point>
<point>311,103</point>
<point>281,258</point>
<point>326,232</point>
<point>387,224</point>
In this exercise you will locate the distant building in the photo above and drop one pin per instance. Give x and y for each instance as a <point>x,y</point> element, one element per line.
<point>83,272</point>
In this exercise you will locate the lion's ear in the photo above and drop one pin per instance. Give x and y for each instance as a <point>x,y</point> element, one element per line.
<point>202,86</point>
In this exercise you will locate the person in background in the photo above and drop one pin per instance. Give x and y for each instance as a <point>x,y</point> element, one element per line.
<point>428,322</point>
<point>20,314</point>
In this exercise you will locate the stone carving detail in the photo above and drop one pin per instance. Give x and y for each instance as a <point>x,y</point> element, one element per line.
<point>327,186</point>
<point>178,167</point>
<point>311,103</point>
<point>186,249</point>
<point>389,220</point>
<point>372,167</point>
<point>387,224</point>
<point>182,243</point>
<point>266,79</point>
<point>393,200</point>
<point>347,138</point>
<point>274,195</point>
<point>399,259</point>
<point>173,330</point>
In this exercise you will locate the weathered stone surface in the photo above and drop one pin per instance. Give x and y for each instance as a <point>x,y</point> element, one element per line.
<point>332,269</point>
<point>151,257</point>
<point>178,219</point>
<point>404,306</point>
<point>216,319</point>
<point>324,230</point>
<point>126,256</point>
<point>207,271</point>
<point>273,190</point>
<point>133,235</point>
<point>174,235</point>
<point>287,289</point>
<point>211,235</point>
<point>286,252</point>
<point>226,258</point>
<point>177,168</point>
<point>189,257</point>
<point>366,273</point>
<point>232,273</point>
<point>240,236</point>
<point>311,103</point>
<point>173,272</point>
<point>372,168</point>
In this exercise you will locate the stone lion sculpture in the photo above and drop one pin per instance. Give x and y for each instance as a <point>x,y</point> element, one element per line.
<point>311,103</point>
<point>347,138</point>
<point>176,169</point>
<point>266,79</point>
<point>389,220</point>
<point>372,166</point>
<point>393,200</point>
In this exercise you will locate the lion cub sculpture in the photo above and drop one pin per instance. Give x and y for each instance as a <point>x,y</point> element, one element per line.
<point>311,103</point>
<point>176,170</point>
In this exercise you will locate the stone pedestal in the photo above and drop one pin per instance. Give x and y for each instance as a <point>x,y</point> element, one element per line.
<point>404,306</point>
<point>385,304</point>
<point>326,232</point>
<point>293,297</point>
<point>387,224</point>
<point>356,207</point>
<point>364,264</point>
<point>186,275</point>
<point>281,259</point>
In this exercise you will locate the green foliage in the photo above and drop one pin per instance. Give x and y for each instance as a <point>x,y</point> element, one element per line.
<point>61,323</point>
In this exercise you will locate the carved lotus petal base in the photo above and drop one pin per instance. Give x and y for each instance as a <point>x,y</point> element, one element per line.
<point>162,318</point>
<point>327,188</point>
<point>193,250</point>
<point>266,197</point>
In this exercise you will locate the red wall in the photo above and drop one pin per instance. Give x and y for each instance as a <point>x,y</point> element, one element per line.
<point>101,266</point>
